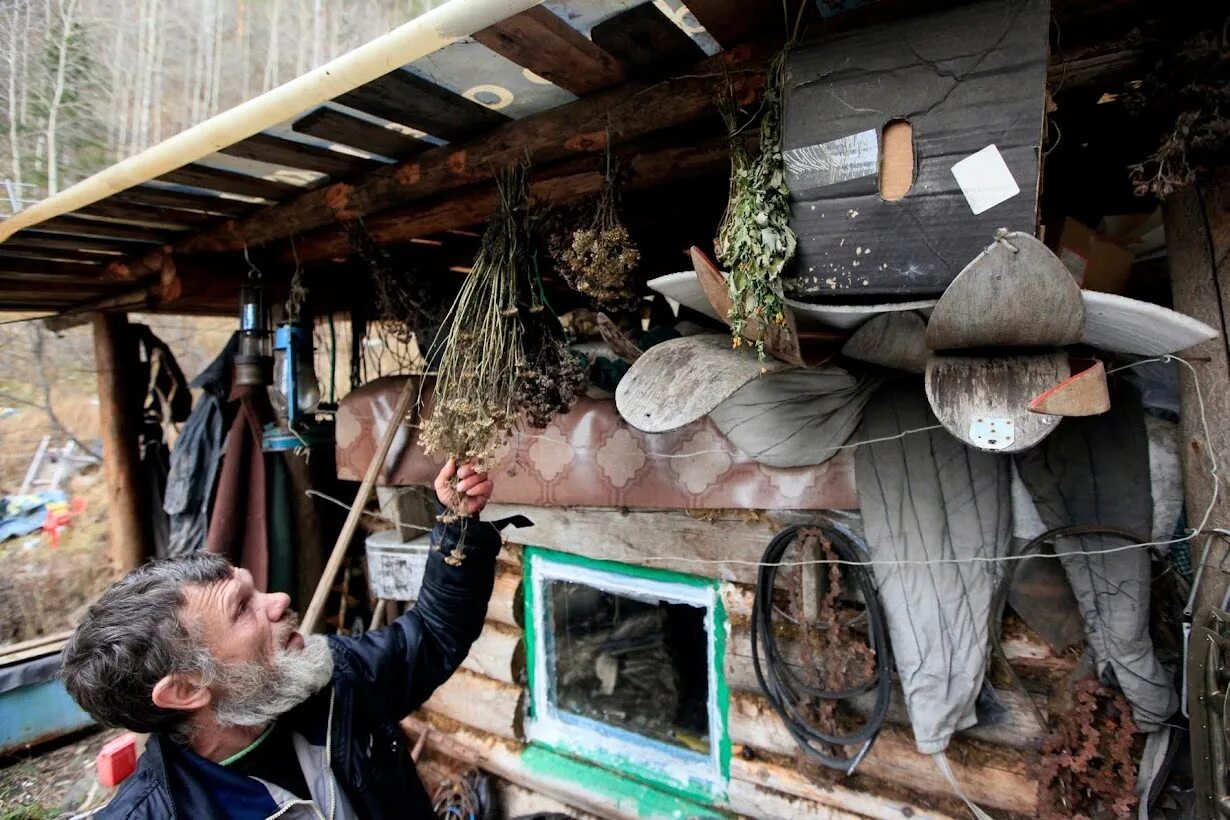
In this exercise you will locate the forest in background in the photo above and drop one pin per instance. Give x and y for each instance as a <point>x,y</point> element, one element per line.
<point>86,83</point>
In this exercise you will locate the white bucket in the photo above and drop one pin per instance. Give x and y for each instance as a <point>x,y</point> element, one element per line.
<point>395,568</point>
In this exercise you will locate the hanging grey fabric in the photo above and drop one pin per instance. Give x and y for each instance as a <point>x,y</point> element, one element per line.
<point>1095,471</point>
<point>927,497</point>
<point>795,418</point>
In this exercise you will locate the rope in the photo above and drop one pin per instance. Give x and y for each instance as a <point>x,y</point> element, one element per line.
<point>786,692</point>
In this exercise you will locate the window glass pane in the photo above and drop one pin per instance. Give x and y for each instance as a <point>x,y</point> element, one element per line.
<point>641,666</point>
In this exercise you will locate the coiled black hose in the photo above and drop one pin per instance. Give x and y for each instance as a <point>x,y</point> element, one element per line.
<point>788,694</point>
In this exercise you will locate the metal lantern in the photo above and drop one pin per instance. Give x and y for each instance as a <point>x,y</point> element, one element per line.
<point>253,361</point>
<point>296,392</point>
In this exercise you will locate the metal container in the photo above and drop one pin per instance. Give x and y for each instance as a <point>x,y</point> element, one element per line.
<point>395,567</point>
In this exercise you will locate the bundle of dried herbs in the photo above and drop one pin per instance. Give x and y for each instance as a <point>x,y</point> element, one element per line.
<point>1187,92</point>
<point>403,300</point>
<point>755,241</point>
<point>476,383</point>
<point>503,358</point>
<point>597,256</point>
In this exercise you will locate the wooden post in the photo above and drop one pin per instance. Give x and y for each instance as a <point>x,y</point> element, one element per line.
<point>115,361</point>
<point>1198,243</point>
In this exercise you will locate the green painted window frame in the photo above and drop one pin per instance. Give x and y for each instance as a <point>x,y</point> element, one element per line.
<point>709,791</point>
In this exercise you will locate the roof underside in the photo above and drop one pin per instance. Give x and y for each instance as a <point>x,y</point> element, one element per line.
<point>413,152</point>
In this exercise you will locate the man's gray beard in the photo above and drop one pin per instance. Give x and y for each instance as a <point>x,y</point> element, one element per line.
<point>253,693</point>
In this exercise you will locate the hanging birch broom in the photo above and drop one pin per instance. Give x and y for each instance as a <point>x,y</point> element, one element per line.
<point>755,241</point>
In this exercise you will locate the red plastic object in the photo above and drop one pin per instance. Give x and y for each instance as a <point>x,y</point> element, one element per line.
<point>117,760</point>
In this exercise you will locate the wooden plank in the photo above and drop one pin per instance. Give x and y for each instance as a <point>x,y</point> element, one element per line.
<point>793,782</point>
<point>133,212</point>
<point>1016,293</point>
<point>578,129</point>
<point>639,537</point>
<point>54,241</point>
<point>682,380</point>
<point>402,97</point>
<point>66,283</point>
<point>14,655</point>
<point>330,124</point>
<point>1198,243</point>
<point>735,21</point>
<point>47,267</point>
<point>1083,394</point>
<point>79,226</point>
<point>539,40</point>
<point>649,45</point>
<point>291,154</point>
<point>229,182</point>
<point>43,641</point>
<point>983,401</point>
<point>498,654</point>
<point>554,185</point>
<point>480,703</point>
<point>997,781</point>
<point>164,198</point>
<point>119,415</point>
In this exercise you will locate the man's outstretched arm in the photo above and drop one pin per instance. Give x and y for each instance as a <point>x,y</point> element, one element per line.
<point>420,650</point>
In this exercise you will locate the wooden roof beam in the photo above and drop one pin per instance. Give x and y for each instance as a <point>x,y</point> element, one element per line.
<point>560,184</point>
<point>578,129</point>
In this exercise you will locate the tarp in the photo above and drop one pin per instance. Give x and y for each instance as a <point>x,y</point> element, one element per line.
<point>927,497</point>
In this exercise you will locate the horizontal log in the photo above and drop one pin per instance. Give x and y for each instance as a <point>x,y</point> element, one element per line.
<point>507,603</point>
<point>518,801</point>
<point>558,185</point>
<point>499,654</point>
<point>756,789</point>
<point>998,781</point>
<point>641,536</point>
<point>762,776</point>
<point>628,112</point>
<point>1021,728</point>
<point>503,759</point>
<point>480,703</point>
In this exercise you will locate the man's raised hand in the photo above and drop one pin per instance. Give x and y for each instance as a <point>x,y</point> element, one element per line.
<point>463,489</point>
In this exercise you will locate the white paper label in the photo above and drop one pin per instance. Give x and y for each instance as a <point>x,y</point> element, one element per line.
<point>985,179</point>
<point>839,160</point>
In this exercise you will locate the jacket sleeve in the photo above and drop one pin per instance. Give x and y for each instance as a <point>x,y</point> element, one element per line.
<point>407,660</point>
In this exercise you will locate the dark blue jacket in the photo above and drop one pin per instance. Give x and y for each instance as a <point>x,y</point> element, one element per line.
<point>351,727</point>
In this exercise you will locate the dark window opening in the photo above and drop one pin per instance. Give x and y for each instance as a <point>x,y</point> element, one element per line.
<point>639,666</point>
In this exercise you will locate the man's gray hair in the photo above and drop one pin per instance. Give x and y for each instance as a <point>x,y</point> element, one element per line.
<point>133,637</point>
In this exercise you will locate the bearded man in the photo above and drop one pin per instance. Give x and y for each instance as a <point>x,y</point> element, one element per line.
<point>248,718</point>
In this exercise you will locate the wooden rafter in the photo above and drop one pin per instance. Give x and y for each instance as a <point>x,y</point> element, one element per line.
<point>278,151</point>
<point>330,124</point>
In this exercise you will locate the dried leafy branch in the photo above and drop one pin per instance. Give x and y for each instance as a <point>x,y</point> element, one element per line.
<point>755,241</point>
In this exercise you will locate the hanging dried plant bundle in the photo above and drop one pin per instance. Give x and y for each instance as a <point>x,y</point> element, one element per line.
<point>476,385</point>
<point>550,382</point>
<point>755,241</point>
<point>598,257</point>
<point>403,299</point>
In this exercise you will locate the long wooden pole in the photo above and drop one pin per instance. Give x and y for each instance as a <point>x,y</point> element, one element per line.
<point>118,415</point>
<point>316,607</point>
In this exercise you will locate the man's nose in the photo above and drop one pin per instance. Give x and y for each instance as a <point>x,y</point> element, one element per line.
<point>276,605</point>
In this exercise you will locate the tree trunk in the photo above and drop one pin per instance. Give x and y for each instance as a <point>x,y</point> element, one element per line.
<point>272,56</point>
<point>67,12</point>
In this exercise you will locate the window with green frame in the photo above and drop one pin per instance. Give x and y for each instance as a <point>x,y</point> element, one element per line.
<point>625,669</point>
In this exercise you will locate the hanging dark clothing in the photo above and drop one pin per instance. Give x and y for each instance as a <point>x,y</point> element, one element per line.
<point>197,455</point>
<point>237,527</point>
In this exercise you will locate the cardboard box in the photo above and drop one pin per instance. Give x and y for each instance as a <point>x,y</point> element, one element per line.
<point>883,219</point>
<point>1096,260</point>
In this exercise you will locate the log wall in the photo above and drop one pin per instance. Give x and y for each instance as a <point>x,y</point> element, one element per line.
<point>481,711</point>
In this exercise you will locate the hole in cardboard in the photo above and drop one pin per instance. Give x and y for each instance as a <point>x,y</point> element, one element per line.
<point>896,159</point>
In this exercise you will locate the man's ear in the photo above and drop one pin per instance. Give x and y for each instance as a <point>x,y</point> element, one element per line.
<point>180,691</point>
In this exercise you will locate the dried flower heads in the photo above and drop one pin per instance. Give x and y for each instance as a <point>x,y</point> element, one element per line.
<point>597,258</point>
